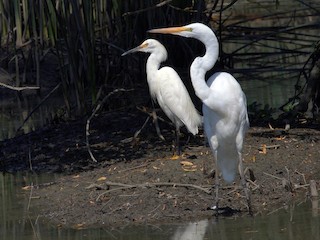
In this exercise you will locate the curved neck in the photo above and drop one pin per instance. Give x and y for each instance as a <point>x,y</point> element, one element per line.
<point>156,57</point>
<point>201,65</point>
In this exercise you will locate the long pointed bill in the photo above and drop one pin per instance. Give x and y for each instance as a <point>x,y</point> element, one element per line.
<point>136,49</point>
<point>171,30</point>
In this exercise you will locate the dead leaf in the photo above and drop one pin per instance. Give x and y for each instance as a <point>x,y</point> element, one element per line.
<point>101,179</point>
<point>263,149</point>
<point>175,157</point>
<point>189,170</point>
<point>280,138</point>
<point>192,168</point>
<point>186,163</point>
<point>79,226</point>
<point>26,187</point>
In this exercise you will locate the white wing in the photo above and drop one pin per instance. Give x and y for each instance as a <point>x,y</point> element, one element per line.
<point>175,101</point>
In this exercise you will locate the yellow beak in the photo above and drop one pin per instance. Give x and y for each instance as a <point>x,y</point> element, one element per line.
<point>136,49</point>
<point>171,30</point>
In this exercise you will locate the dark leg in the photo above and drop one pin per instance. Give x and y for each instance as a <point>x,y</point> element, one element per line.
<point>216,182</point>
<point>244,185</point>
<point>176,145</point>
<point>178,140</point>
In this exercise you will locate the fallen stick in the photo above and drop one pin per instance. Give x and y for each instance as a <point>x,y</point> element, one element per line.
<point>304,178</point>
<point>134,168</point>
<point>270,175</point>
<point>123,186</point>
<point>276,146</point>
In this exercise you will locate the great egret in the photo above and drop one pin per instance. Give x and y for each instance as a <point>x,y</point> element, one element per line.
<point>224,105</point>
<point>168,90</point>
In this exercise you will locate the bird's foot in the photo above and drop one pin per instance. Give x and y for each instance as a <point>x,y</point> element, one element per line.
<point>224,211</point>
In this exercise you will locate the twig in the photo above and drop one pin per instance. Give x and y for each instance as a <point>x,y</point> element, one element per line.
<point>270,175</point>
<point>301,186</point>
<point>123,186</point>
<point>256,186</point>
<point>133,168</point>
<point>144,110</point>
<point>155,118</point>
<point>147,9</point>
<point>42,101</point>
<point>139,131</point>
<point>276,146</point>
<point>304,178</point>
<point>276,210</point>
<point>18,88</point>
<point>96,109</point>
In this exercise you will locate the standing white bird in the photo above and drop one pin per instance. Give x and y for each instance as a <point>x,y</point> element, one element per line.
<point>224,105</point>
<point>168,90</point>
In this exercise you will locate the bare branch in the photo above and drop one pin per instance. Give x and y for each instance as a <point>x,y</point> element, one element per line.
<point>18,88</point>
<point>147,9</point>
<point>42,101</point>
<point>96,109</point>
<point>122,186</point>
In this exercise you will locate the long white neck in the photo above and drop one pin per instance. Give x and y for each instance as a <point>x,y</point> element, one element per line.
<point>201,65</point>
<point>153,64</point>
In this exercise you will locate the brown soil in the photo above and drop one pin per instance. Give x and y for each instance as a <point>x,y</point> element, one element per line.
<point>136,182</point>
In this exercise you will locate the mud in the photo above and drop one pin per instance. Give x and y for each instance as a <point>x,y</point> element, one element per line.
<point>135,181</point>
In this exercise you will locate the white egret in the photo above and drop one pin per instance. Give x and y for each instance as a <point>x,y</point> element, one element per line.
<point>166,88</point>
<point>224,106</point>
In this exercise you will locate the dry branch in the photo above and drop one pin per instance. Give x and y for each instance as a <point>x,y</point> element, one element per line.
<point>94,112</point>
<point>122,186</point>
<point>147,9</point>
<point>155,118</point>
<point>42,101</point>
<point>18,88</point>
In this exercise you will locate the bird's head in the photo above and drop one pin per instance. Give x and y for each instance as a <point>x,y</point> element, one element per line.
<point>148,46</point>
<point>193,30</point>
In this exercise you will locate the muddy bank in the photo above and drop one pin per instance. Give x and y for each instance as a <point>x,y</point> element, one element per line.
<point>137,182</point>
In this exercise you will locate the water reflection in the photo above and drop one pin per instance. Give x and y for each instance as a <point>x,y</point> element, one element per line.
<point>14,109</point>
<point>193,230</point>
<point>19,219</point>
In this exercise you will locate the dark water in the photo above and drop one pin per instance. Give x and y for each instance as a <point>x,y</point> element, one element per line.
<point>19,219</point>
<point>14,109</point>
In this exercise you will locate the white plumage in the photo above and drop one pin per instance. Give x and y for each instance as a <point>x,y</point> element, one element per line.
<point>224,104</point>
<point>167,88</point>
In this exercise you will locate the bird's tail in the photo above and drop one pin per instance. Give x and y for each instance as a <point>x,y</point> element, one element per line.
<point>194,122</point>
